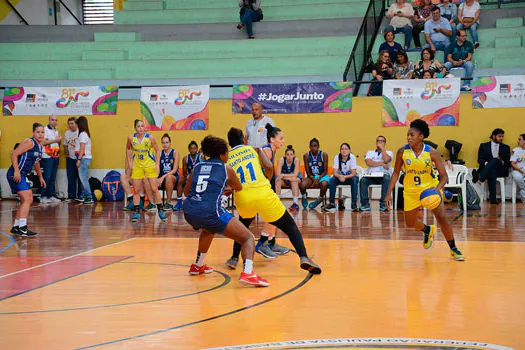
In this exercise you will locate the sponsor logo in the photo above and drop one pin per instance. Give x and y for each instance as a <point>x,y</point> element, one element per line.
<point>281,98</point>
<point>30,98</point>
<point>398,91</point>
<point>504,88</point>
<point>408,161</point>
<point>433,90</point>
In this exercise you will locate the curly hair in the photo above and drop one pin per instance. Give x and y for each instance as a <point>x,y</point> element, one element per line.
<point>421,126</point>
<point>213,147</point>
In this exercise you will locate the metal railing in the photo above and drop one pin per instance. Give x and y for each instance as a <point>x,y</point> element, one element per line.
<point>361,52</point>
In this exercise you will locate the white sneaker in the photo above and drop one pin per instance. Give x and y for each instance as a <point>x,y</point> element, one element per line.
<point>54,200</point>
<point>45,200</point>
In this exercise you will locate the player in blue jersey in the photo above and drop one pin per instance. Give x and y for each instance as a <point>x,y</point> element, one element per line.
<point>288,173</point>
<point>188,163</point>
<point>202,209</point>
<point>416,159</point>
<point>24,158</point>
<point>168,169</point>
<point>316,166</point>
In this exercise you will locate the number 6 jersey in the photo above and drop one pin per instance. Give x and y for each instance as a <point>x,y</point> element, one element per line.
<point>419,171</point>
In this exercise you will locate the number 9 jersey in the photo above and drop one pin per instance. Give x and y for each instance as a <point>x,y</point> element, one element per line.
<point>419,171</point>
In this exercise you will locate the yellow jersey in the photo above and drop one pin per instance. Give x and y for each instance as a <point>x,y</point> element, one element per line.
<point>245,162</point>
<point>143,152</point>
<point>419,172</point>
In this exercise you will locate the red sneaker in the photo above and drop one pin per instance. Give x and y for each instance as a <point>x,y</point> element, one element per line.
<point>199,270</point>
<point>253,280</point>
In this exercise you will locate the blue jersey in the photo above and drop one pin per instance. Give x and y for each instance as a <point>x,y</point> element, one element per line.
<point>167,162</point>
<point>192,161</point>
<point>316,164</point>
<point>209,180</point>
<point>27,160</point>
<point>288,168</point>
<point>271,150</point>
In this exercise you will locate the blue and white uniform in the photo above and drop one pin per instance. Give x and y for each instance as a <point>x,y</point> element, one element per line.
<point>202,208</point>
<point>26,161</point>
<point>288,169</point>
<point>192,161</point>
<point>317,166</point>
<point>167,163</point>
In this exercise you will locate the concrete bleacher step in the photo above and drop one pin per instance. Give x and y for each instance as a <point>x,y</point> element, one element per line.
<point>144,5</point>
<point>117,37</point>
<point>94,73</point>
<point>215,4</point>
<point>511,41</point>
<point>104,55</point>
<point>504,62</point>
<point>484,56</point>
<point>509,22</point>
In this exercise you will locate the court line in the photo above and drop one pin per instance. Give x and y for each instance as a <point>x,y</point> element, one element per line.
<point>11,242</point>
<point>299,285</point>
<point>67,257</point>
<point>227,280</point>
<point>66,278</point>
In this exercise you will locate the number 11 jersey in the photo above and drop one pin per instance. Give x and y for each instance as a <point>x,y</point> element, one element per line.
<point>245,162</point>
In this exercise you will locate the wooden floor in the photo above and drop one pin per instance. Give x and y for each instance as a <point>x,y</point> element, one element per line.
<point>92,279</point>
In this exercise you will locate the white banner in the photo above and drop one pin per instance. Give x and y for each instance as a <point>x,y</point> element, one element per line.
<point>85,100</point>
<point>175,107</point>
<point>499,92</point>
<point>434,100</point>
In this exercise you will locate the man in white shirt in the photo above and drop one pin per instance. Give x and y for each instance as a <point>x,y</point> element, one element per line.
<point>74,187</point>
<point>256,127</point>
<point>49,160</point>
<point>378,162</point>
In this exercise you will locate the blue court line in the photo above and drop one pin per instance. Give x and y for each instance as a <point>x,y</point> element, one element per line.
<point>11,242</point>
<point>299,285</point>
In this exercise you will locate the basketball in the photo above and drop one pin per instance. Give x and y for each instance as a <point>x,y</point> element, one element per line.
<point>98,195</point>
<point>447,196</point>
<point>430,198</point>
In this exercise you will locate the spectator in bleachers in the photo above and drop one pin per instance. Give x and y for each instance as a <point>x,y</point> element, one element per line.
<point>427,75</point>
<point>422,14</point>
<point>437,31</point>
<point>494,162</point>
<point>390,45</point>
<point>468,18</point>
<point>49,160</point>
<point>403,68</point>
<point>250,12</point>
<point>383,70</point>
<point>378,162</point>
<point>450,12</point>
<point>74,187</point>
<point>400,14</point>
<point>517,162</point>
<point>345,173</point>
<point>428,63</point>
<point>459,55</point>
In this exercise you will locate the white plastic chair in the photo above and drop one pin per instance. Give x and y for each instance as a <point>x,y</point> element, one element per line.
<point>362,171</point>
<point>457,178</point>
<point>485,190</point>
<point>514,190</point>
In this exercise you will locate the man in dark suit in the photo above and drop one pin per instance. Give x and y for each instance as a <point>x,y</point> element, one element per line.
<point>494,162</point>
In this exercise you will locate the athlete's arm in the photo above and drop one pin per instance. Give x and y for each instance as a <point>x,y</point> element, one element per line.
<point>157,152</point>
<point>23,147</point>
<point>129,154</point>
<point>175,163</point>
<point>268,153</point>
<point>395,176</point>
<point>307,167</point>
<point>279,169</point>
<point>296,168</point>
<point>233,180</point>
<point>185,166</point>
<point>188,185</point>
<point>265,163</point>
<point>39,174</point>
<point>436,158</point>
<point>325,161</point>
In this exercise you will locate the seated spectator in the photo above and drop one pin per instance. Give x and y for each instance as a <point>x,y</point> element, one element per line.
<point>437,32</point>
<point>403,68</point>
<point>250,12</point>
<point>378,162</point>
<point>468,18</point>
<point>428,63</point>
<point>517,162</point>
<point>427,75</point>
<point>450,12</point>
<point>422,14</point>
<point>316,166</point>
<point>390,45</point>
<point>400,14</point>
<point>345,173</point>
<point>287,173</point>
<point>459,55</point>
<point>494,162</point>
<point>169,169</point>
<point>383,70</point>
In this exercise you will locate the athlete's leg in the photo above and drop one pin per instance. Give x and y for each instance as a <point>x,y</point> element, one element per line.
<point>169,184</point>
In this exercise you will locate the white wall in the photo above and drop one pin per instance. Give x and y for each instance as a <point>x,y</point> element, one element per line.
<point>40,12</point>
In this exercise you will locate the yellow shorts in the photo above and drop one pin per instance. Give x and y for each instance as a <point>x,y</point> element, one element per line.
<point>262,201</point>
<point>412,199</point>
<point>141,173</point>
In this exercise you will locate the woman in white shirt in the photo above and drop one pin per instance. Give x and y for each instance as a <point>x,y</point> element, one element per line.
<point>84,158</point>
<point>345,173</point>
<point>517,162</point>
<point>468,18</point>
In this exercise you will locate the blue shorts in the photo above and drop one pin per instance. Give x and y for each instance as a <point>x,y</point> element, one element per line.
<point>17,187</point>
<point>324,178</point>
<point>210,222</point>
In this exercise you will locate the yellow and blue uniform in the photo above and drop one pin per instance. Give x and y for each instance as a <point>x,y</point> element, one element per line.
<point>256,195</point>
<point>419,175</point>
<point>143,158</point>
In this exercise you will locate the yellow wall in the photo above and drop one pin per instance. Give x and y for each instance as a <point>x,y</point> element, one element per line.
<point>358,128</point>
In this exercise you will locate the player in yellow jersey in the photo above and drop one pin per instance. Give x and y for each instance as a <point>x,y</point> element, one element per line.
<point>416,159</point>
<point>257,196</point>
<point>143,155</point>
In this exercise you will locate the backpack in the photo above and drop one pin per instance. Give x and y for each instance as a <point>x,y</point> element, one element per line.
<point>111,187</point>
<point>95,184</point>
<point>472,198</point>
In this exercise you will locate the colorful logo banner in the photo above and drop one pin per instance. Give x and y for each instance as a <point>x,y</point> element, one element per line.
<point>499,92</point>
<point>87,100</point>
<point>294,98</point>
<point>175,107</point>
<point>434,100</point>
